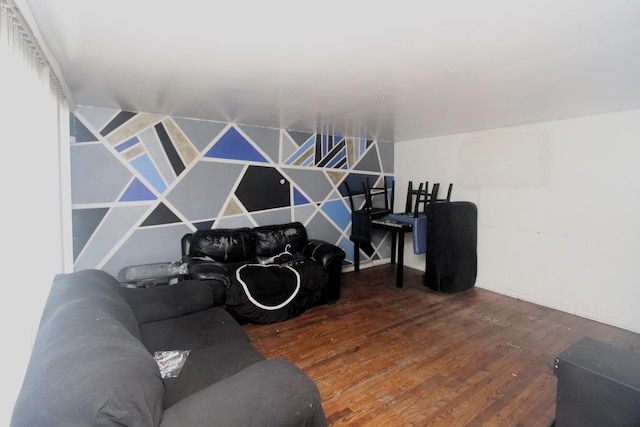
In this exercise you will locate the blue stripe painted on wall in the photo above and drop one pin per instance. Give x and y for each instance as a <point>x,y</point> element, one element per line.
<point>127,144</point>
<point>340,156</point>
<point>147,169</point>
<point>336,151</point>
<point>300,151</point>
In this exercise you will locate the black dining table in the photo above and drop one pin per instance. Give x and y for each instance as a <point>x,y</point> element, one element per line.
<point>398,229</point>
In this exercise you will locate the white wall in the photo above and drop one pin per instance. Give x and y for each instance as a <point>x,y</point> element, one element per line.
<point>558,209</point>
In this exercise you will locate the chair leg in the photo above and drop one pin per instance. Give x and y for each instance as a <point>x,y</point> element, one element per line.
<point>356,256</point>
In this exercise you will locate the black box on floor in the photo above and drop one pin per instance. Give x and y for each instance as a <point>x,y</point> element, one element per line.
<point>452,240</point>
<point>598,385</point>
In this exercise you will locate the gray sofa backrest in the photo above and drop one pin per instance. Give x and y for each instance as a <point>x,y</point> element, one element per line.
<point>91,288</point>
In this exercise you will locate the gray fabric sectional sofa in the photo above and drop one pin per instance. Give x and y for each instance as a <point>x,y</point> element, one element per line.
<point>93,362</point>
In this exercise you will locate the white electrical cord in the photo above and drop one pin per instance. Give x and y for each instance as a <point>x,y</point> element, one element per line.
<point>258,304</point>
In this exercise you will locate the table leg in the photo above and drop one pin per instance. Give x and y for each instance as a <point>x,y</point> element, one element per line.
<point>400,266</point>
<point>393,247</point>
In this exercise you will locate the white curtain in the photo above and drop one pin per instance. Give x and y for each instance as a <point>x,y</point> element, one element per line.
<point>36,213</point>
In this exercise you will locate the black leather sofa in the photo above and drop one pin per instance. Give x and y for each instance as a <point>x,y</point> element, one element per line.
<point>223,255</point>
<point>92,362</point>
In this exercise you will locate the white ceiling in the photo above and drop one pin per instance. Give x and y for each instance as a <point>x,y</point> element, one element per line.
<point>394,71</point>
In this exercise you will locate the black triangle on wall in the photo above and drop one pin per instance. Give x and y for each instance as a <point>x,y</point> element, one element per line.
<point>80,131</point>
<point>121,118</point>
<point>84,224</point>
<point>161,215</point>
<point>299,137</point>
<point>206,225</point>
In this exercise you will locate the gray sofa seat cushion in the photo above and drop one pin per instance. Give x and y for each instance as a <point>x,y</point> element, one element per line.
<point>86,368</point>
<point>207,366</point>
<point>195,331</point>
<point>271,393</point>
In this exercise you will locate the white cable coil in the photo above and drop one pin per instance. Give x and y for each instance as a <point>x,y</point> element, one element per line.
<point>257,303</point>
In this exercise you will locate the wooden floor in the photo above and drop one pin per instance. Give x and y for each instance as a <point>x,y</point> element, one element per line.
<point>383,356</point>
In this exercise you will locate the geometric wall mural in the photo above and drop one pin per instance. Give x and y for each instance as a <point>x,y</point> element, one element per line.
<point>141,181</point>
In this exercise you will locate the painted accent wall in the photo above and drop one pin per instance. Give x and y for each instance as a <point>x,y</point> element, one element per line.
<point>558,209</point>
<point>139,182</point>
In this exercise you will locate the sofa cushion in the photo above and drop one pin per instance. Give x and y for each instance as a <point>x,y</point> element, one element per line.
<point>224,245</point>
<point>273,239</point>
<point>270,393</point>
<point>207,366</point>
<point>164,302</point>
<point>194,331</point>
<point>87,369</point>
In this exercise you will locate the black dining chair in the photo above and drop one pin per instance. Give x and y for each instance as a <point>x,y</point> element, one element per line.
<point>447,198</point>
<point>418,198</point>
<point>371,203</point>
<point>378,201</point>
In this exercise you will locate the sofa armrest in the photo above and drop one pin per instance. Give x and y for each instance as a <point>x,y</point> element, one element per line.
<point>185,244</point>
<point>166,302</point>
<point>331,258</point>
<point>268,393</point>
<point>323,253</point>
<point>204,269</point>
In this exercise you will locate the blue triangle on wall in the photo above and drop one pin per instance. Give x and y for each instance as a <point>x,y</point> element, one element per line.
<point>136,192</point>
<point>298,198</point>
<point>232,145</point>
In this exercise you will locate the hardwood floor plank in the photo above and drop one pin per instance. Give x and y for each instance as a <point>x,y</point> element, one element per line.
<point>409,356</point>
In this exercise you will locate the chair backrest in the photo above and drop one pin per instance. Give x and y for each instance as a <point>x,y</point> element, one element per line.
<point>351,195</point>
<point>418,199</point>
<point>448,198</point>
<point>372,194</point>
